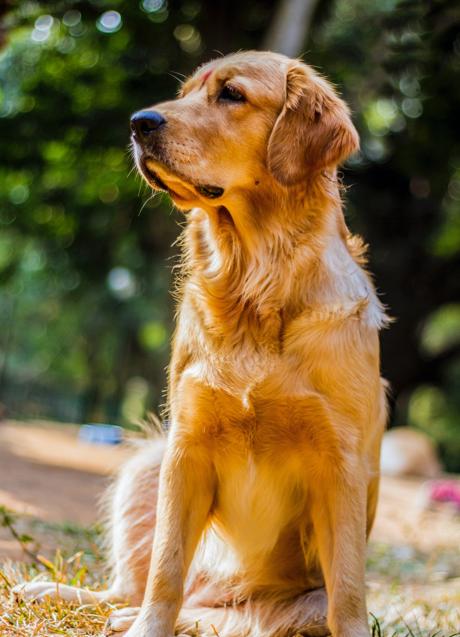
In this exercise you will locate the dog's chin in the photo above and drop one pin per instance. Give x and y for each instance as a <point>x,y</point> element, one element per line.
<point>161,180</point>
<point>184,193</point>
<point>153,179</point>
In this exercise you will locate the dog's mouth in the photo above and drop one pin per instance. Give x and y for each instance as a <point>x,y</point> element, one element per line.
<point>162,177</point>
<point>153,178</point>
<point>211,192</point>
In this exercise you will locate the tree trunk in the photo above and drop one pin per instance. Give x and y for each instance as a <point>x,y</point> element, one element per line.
<point>291,27</point>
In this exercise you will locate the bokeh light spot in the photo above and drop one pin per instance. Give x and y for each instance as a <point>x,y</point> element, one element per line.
<point>19,194</point>
<point>71,18</point>
<point>44,23</point>
<point>109,22</point>
<point>153,335</point>
<point>188,37</point>
<point>40,36</point>
<point>412,107</point>
<point>121,283</point>
<point>150,6</point>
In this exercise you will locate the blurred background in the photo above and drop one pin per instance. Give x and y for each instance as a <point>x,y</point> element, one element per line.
<point>85,252</point>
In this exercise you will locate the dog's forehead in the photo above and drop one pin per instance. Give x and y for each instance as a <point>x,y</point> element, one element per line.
<point>253,65</point>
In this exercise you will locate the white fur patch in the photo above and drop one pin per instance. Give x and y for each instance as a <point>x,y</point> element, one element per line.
<point>351,286</point>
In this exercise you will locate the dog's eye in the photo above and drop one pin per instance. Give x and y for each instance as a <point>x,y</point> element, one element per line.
<point>231,94</point>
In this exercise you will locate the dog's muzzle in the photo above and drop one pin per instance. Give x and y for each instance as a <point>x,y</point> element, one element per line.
<point>144,127</point>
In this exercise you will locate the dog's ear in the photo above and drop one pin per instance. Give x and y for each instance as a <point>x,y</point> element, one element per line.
<point>313,131</point>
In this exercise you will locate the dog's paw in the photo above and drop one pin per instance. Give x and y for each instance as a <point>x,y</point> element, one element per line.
<point>120,621</point>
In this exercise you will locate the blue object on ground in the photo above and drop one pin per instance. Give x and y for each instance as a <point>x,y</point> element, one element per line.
<point>100,434</point>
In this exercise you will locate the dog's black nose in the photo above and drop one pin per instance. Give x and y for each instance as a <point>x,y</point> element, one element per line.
<point>144,123</point>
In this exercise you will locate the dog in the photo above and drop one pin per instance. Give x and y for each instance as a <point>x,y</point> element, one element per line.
<point>251,518</point>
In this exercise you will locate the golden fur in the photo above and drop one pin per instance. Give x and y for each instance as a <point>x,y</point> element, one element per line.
<point>269,476</point>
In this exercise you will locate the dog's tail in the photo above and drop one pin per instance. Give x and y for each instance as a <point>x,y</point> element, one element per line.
<point>305,615</point>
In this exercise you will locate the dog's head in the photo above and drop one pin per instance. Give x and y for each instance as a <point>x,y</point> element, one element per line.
<point>239,123</point>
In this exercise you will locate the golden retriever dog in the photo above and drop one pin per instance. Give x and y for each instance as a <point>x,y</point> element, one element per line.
<point>251,518</point>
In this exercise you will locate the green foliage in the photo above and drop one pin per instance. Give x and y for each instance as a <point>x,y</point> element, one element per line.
<point>82,270</point>
<point>442,329</point>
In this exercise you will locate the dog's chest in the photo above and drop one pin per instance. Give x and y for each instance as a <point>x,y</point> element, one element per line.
<point>252,409</point>
<point>254,503</point>
<point>260,431</point>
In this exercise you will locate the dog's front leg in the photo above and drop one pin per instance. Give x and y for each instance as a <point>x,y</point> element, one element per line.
<point>339,519</point>
<point>184,501</point>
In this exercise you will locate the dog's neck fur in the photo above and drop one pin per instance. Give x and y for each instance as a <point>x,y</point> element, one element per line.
<point>281,256</point>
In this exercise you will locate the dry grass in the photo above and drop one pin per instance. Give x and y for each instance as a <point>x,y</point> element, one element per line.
<point>410,594</point>
<point>415,612</point>
<point>78,563</point>
<point>25,619</point>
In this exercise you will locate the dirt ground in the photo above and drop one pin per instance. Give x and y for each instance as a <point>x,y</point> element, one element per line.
<point>47,473</point>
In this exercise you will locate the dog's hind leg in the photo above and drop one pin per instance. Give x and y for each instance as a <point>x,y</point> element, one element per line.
<point>132,514</point>
<point>303,615</point>
<point>132,519</point>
